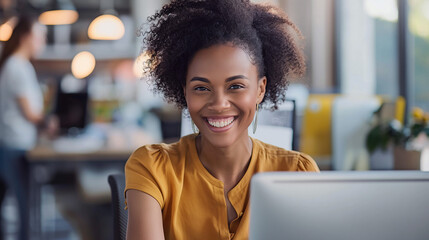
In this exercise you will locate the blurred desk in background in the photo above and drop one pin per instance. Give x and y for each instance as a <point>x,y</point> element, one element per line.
<point>47,154</point>
<point>89,185</point>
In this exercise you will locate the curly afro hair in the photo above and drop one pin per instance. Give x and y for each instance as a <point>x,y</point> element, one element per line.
<point>183,27</point>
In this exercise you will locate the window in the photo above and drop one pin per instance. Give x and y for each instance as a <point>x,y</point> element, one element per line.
<point>418,20</point>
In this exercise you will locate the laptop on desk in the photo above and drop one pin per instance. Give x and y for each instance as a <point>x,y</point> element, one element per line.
<point>388,205</point>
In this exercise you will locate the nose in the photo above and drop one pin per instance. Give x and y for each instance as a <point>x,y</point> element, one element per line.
<point>219,102</point>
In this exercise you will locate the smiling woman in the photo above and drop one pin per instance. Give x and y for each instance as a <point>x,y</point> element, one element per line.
<point>220,60</point>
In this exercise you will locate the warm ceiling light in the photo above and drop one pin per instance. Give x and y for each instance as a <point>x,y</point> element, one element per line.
<point>106,27</point>
<point>141,65</point>
<point>60,12</point>
<point>5,32</point>
<point>83,64</point>
<point>58,17</point>
<point>6,29</point>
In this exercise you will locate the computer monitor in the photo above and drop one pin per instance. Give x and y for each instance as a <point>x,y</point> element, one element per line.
<point>71,109</point>
<point>340,205</point>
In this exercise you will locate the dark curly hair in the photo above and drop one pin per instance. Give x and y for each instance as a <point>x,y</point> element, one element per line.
<point>183,27</point>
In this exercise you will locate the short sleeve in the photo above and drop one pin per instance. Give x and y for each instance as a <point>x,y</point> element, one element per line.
<point>20,86</point>
<point>306,163</point>
<point>144,171</point>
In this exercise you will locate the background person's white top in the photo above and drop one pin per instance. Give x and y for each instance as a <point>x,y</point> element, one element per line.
<point>18,79</point>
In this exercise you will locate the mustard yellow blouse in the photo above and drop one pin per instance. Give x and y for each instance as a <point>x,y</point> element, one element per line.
<point>191,199</point>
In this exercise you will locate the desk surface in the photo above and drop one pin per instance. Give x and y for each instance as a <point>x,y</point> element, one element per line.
<point>99,142</point>
<point>44,153</point>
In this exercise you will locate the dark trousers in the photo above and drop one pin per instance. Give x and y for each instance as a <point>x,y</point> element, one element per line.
<point>14,176</point>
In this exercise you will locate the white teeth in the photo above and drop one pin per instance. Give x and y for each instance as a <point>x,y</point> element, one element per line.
<point>221,123</point>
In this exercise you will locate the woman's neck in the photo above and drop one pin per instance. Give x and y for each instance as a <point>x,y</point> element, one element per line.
<point>227,164</point>
<point>23,53</point>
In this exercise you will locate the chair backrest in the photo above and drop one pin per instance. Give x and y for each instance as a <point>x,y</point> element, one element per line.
<point>277,127</point>
<point>120,215</point>
<point>315,135</point>
<point>274,127</point>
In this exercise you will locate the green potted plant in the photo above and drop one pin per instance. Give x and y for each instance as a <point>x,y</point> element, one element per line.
<point>393,145</point>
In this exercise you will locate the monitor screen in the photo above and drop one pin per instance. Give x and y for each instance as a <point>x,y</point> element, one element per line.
<point>71,109</point>
<point>340,205</point>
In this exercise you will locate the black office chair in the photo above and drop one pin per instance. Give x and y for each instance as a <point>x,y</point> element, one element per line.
<point>120,215</point>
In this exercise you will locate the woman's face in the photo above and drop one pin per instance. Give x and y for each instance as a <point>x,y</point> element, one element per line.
<point>222,91</point>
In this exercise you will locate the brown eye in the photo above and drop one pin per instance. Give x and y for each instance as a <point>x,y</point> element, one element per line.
<point>236,86</point>
<point>201,89</point>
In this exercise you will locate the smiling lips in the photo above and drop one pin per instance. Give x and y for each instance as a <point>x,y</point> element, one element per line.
<point>220,122</point>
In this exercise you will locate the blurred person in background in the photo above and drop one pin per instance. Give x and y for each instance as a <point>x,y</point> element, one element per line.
<point>21,110</point>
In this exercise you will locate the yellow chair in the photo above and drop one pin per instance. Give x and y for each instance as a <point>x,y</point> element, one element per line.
<point>315,137</point>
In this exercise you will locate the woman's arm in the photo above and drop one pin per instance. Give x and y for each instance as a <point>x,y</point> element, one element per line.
<point>144,217</point>
<point>34,118</point>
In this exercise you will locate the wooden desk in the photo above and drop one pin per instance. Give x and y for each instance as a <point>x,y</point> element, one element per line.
<point>44,153</point>
<point>44,162</point>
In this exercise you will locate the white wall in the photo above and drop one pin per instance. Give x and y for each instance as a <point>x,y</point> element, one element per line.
<point>143,9</point>
<point>356,52</point>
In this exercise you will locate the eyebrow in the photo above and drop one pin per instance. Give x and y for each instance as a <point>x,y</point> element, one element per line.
<point>227,80</point>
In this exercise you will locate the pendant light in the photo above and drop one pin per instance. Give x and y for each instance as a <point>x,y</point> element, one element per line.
<point>141,65</point>
<point>83,64</point>
<point>106,26</point>
<point>6,29</point>
<point>60,13</point>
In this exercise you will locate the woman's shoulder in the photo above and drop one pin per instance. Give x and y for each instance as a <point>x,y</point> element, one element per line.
<point>281,159</point>
<point>15,62</point>
<point>18,71</point>
<point>160,154</point>
<point>156,168</point>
